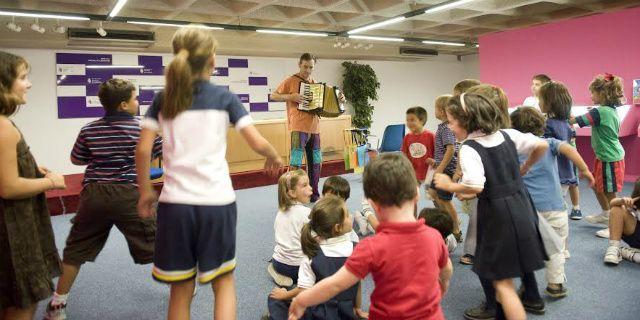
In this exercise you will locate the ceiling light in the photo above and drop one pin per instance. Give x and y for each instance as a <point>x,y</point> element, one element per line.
<point>41,15</point>
<point>101,31</point>
<point>444,43</point>
<point>59,29</point>
<point>37,28</point>
<point>13,26</point>
<point>109,66</point>
<point>377,25</point>
<point>117,8</point>
<point>175,25</point>
<point>446,5</point>
<point>376,38</point>
<point>294,33</point>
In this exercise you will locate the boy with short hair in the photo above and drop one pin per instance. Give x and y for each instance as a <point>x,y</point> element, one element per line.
<point>536,83</point>
<point>110,194</point>
<point>418,145</point>
<point>408,284</point>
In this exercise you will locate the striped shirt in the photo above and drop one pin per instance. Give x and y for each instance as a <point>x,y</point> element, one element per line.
<point>107,146</point>
<point>445,137</point>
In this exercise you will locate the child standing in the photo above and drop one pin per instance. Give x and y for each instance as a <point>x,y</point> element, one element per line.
<point>536,83</point>
<point>499,98</point>
<point>508,241</point>
<point>607,93</point>
<point>294,192</point>
<point>109,195</point>
<point>418,145</point>
<point>28,256</point>
<point>556,102</point>
<point>327,245</point>
<point>196,220</point>
<point>445,162</point>
<point>543,183</point>
<point>409,283</point>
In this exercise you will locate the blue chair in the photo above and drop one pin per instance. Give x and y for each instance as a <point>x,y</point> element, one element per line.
<point>156,173</point>
<point>392,138</point>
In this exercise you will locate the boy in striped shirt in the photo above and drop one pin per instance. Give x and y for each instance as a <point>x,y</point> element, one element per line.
<point>109,195</point>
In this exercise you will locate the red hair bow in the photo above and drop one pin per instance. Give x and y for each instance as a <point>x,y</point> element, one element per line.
<point>608,77</point>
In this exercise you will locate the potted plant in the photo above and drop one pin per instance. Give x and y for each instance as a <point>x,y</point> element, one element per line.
<point>360,85</point>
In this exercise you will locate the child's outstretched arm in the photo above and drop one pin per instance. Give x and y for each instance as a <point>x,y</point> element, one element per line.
<point>535,156</point>
<point>260,145</point>
<point>444,182</point>
<point>321,292</point>
<point>146,202</point>
<point>572,154</point>
<point>284,294</point>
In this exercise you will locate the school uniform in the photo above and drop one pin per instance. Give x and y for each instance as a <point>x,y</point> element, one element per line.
<point>329,259</point>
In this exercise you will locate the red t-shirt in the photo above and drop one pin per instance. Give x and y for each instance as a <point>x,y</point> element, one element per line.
<point>419,147</point>
<point>405,261</point>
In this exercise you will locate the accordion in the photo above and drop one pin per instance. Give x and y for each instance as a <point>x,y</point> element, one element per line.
<point>321,99</point>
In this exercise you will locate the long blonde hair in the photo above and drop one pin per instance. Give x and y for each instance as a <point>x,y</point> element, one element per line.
<point>192,47</point>
<point>287,182</point>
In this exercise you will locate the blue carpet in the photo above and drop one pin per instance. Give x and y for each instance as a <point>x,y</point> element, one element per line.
<point>115,288</point>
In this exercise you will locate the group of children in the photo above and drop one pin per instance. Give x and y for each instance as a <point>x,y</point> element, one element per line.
<point>511,168</point>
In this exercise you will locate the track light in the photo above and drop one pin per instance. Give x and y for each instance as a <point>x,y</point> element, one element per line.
<point>37,28</point>
<point>101,31</point>
<point>13,26</point>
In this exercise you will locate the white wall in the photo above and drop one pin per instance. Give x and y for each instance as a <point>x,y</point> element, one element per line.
<point>402,85</point>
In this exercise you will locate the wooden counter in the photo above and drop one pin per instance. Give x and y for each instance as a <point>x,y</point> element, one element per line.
<point>241,158</point>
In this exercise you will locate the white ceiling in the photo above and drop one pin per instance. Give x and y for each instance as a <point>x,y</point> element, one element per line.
<point>464,23</point>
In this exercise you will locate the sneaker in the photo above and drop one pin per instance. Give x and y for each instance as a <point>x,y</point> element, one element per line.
<point>604,233</point>
<point>279,279</point>
<point>597,219</point>
<point>630,254</point>
<point>480,312</point>
<point>567,255</point>
<point>612,257</point>
<point>451,243</point>
<point>55,312</point>
<point>575,214</point>
<point>535,307</point>
<point>560,292</point>
<point>361,222</point>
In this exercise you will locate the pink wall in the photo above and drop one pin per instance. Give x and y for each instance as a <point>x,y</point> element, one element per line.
<point>571,51</point>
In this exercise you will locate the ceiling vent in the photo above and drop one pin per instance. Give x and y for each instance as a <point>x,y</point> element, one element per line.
<point>124,39</point>
<point>417,52</point>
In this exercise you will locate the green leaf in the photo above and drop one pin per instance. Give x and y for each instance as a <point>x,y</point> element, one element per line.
<point>360,85</point>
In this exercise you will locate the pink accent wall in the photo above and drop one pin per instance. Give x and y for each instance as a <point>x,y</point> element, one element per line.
<point>573,52</point>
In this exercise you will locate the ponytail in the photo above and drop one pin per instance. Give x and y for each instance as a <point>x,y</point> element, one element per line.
<point>308,242</point>
<point>193,48</point>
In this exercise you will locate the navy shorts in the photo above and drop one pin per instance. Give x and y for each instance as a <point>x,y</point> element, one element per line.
<point>194,240</point>
<point>443,195</point>
<point>633,240</point>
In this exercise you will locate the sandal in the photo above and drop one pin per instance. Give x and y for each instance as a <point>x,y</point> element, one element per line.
<point>466,259</point>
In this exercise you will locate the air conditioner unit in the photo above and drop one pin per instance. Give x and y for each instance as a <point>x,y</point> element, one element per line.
<point>417,52</point>
<point>125,39</point>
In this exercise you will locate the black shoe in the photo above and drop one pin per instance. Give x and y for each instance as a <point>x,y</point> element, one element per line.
<point>535,307</point>
<point>557,293</point>
<point>480,312</point>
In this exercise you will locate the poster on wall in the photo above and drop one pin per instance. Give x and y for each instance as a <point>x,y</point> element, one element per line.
<point>79,77</point>
<point>636,91</point>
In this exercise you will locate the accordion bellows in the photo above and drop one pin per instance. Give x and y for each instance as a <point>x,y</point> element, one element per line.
<point>321,99</point>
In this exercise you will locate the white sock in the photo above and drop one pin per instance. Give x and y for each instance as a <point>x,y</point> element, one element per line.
<point>576,207</point>
<point>59,299</point>
<point>614,243</point>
